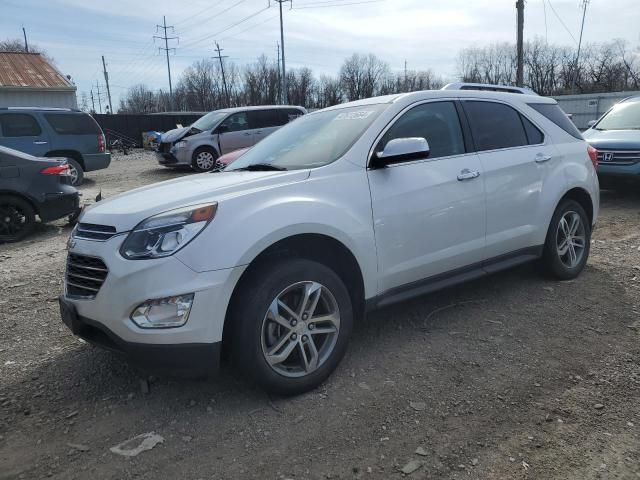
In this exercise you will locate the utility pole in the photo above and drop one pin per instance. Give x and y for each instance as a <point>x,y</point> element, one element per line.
<point>26,44</point>
<point>406,78</point>
<point>224,79</point>
<point>166,49</point>
<point>279,73</point>
<point>106,79</point>
<point>284,68</point>
<point>585,4</point>
<point>99,100</point>
<point>520,53</point>
<point>93,103</point>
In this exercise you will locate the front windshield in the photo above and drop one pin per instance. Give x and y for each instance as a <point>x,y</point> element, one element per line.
<point>312,140</point>
<point>624,116</point>
<point>209,121</point>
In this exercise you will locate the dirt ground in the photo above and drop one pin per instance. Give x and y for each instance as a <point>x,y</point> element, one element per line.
<point>513,376</point>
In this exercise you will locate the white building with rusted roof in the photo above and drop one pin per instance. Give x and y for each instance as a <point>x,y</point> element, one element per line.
<point>30,80</point>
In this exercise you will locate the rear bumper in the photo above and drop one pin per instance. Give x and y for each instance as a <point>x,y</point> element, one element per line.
<point>96,161</point>
<point>184,359</point>
<point>58,205</point>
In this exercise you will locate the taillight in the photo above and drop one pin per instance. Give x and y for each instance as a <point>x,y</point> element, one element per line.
<point>56,170</point>
<point>101,143</point>
<point>593,155</point>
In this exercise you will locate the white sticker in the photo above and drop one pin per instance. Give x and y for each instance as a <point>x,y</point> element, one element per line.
<point>359,115</point>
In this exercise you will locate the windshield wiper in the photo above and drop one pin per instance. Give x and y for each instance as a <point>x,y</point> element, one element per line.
<point>260,167</point>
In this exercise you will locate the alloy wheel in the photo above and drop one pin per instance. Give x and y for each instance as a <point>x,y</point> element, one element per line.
<point>12,221</point>
<point>205,160</point>
<point>571,239</point>
<point>300,329</point>
<point>73,173</point>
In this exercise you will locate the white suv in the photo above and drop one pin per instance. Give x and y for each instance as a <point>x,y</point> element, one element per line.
<point>343,210</point>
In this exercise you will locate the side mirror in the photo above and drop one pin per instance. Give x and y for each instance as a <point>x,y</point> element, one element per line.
<point>401,150</point>
<point>591,123</point>
<point>221,129</point>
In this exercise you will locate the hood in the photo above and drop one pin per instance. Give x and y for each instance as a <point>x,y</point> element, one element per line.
<point>128,209</point>
<point>174,135</point>
<point>613,139</point>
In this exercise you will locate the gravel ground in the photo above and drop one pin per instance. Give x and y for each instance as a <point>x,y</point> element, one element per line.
<point>514,376</point>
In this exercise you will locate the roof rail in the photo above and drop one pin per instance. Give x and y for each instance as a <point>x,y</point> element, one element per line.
<point>47,109</point>
<point>488,88</point>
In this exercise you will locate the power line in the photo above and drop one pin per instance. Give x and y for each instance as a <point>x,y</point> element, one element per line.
<point>546,28</point>
<point>585,4</point>
<point>337,4</point>
<point>560,20</point>
<point>206,9</point>
<point>216,15</point>
<point>166,49</point>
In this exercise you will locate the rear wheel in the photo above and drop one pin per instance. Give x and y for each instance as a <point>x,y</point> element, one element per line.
<point>292,320</point>
<point>17,218</point>
<point>204,159</point>
<point>568,241</point>
<point>75,172</point>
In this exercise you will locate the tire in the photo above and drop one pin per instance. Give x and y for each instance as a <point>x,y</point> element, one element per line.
<point>255,333</point>
<point>76,172</point>
<point>565,260</point>
<point>204,159</point>
<point>17,218</point>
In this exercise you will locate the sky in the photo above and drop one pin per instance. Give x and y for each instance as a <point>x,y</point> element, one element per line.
<point>319,34</point>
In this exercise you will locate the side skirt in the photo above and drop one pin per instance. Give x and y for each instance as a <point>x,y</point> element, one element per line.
<point>454,277</point>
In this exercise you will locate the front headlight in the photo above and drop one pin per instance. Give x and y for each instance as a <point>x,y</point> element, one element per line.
<point>181,144</point>
<point>164,234</point>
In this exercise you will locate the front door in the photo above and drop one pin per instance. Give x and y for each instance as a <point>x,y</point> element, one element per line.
<point>21,131</point>
<point>428,214</point>
<point>238,135</point>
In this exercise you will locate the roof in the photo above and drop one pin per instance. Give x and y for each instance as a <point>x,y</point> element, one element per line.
<point>30,71</point>
<point>257,107</point>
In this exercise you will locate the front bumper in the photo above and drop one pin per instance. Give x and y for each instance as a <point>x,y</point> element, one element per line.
<point>174,157</point>
<point>188,359</point>
<point>96,161</point>
<point>58,205</point>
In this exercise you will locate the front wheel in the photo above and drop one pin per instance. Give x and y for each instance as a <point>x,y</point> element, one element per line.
<point>204,159</point>
<point>292,320</point>
<point>568,242</point>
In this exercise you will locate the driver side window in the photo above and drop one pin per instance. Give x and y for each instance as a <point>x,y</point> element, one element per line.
<point>436,122</point>
<point>237,122</point>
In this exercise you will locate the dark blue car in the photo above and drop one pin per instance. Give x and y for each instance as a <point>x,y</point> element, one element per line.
<point>616,136</point>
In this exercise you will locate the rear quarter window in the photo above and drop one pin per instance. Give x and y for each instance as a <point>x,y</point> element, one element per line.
<point>72,124</point>
<point>554,113</point>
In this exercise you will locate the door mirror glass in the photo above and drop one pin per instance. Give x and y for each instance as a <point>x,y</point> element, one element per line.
<point>591,123</point>
<point>402,150</point>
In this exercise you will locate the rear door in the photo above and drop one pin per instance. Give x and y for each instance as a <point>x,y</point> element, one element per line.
<point>238,134</point>
<point>73,131</point>
<point>514,153</point>
<point>265,122</point>
<point>22,131</point>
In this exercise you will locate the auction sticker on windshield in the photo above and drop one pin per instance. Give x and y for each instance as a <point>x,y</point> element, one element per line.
<point>359,115</point>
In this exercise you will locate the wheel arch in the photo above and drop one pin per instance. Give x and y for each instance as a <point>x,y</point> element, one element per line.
<point>26,198</point>
<point>321,248</point>
<point>581,196</point>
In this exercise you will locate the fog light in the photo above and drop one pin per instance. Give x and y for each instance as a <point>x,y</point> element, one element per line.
<point>167,312</point>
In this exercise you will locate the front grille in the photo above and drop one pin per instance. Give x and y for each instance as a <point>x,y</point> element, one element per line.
<point>85,275</point>
<point>618,157</point>
<point>92,231</point>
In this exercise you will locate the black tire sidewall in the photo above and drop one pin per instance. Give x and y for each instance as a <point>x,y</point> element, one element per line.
<point>74,163</point>
<point>551,259</point>
<point>27,210</point>
<point>194,164</point>
<point>250,307</point>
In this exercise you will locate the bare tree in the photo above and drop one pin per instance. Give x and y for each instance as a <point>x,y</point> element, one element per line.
<point>17,45</point>
<point>361,76</point>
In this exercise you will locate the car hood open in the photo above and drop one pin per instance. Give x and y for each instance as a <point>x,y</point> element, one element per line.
<point>128,209</point>
<point>174,135</point>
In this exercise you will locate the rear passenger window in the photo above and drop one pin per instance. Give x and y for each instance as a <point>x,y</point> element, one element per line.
<point>495,125</point>
<point>72,124</point>
<point>534,135</point>
<point>437,122</point>
<point>291,114</point>
<point>19,125</point>
<point>265,118</point>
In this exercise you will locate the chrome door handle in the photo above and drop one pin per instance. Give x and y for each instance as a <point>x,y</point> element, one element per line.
<point>541,158</point>
<point>40,143</point>
<point>467,174</point>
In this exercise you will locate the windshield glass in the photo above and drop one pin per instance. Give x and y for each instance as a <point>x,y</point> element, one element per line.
<point>624,116</point>
<point>312,140</point>
<point>209,121</point>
